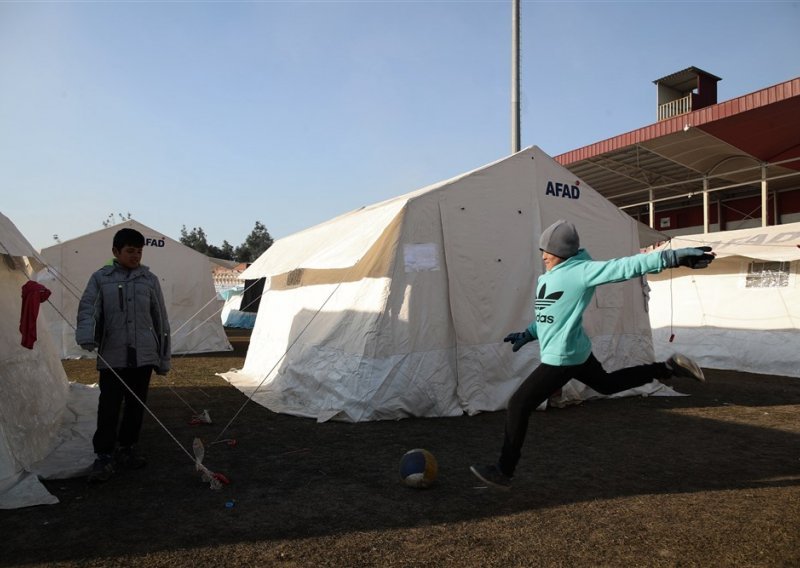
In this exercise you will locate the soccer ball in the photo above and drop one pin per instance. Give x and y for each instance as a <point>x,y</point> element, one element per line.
<point>418,468</point>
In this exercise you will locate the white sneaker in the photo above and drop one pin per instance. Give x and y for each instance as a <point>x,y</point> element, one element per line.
<point>682,366</point>
<point>491,475</point>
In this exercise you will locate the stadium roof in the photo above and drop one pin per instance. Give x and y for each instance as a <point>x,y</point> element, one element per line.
<point>729,142</point>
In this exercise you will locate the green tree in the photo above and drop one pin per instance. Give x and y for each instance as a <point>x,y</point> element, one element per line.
<point>110,219</point>
<point>255,244</point>
<point>195,239</point>
<point>225,252</point>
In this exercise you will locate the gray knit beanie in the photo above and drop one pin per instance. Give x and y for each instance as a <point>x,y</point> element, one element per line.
<point>561,239</point>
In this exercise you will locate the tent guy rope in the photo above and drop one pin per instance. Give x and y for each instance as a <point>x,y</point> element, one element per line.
<point>214,479</point>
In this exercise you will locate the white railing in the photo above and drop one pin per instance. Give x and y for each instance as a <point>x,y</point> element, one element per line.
<point>674,108</point>
<point>226,279</point>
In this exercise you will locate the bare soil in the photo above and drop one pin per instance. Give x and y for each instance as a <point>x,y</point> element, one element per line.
<point>712,479</point>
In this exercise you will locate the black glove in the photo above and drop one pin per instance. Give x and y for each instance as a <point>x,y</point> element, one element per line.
<point>88,346</point>
<point>518,339</point>
<point>693,257</point>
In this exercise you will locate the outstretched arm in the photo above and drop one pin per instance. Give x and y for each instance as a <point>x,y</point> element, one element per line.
<point>693,257</point>
<point>620,269</point>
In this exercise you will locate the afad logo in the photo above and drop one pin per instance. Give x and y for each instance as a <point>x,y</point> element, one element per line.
<point>544,301</point>
<point>558,189</point>
<point>160,243</point>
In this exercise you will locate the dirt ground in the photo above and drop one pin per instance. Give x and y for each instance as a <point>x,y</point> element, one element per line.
<point>712,479</point>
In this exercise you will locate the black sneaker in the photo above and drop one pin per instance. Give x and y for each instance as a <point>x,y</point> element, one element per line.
<point>682,366</point>
<point>491,475</point>
<point>127,458</point>
<point>102,469</point>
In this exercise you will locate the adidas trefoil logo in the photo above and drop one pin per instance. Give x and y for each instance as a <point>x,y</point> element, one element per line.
<point>544,300</point>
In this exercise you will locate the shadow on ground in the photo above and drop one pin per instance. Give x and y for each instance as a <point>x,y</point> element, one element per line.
<point>698,480</point>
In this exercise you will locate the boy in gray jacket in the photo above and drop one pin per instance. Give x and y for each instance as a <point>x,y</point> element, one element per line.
<point>122,315</point>
<point>562,294</point>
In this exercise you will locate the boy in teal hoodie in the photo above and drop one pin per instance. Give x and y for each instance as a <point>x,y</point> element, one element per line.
<point>562,294</point>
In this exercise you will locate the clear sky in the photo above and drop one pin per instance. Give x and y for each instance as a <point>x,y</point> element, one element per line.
<point>221,114</point>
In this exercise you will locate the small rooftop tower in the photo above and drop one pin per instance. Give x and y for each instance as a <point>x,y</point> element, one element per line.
<point>685,91</point>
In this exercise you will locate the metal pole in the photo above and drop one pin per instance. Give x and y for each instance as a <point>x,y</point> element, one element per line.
<point>764,209</point>
<point>705,205</point>
<point>776,218</point>
<point>515,147</point>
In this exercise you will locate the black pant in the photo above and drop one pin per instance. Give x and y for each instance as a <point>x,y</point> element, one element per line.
<point>112,395</point>
<point>547,379</point>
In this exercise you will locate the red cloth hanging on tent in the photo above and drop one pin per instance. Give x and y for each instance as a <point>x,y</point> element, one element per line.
<point>33,294</point>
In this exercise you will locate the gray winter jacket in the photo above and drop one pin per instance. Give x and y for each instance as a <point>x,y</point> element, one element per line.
<point>122,314</point>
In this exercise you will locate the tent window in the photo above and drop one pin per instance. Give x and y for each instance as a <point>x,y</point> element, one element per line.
<point>767,275</point>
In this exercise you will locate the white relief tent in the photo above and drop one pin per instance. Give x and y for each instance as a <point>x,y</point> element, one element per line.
<point>186,281</point>
<point>740,313</point>
<point>400,308</point>
<point>45,421</point>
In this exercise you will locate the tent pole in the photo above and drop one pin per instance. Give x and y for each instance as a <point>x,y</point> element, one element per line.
<point>515,143</point>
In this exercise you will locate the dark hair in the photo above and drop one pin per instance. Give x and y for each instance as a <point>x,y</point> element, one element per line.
<point>128,238</point>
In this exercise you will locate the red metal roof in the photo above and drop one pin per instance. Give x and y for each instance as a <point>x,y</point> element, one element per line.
<point>764,124</point>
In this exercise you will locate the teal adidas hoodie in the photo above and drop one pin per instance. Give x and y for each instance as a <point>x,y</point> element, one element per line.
<point>564,292</point>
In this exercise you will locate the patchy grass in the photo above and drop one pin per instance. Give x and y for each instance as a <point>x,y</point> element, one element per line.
<point>707,480</point>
